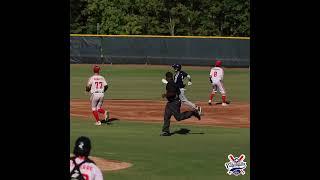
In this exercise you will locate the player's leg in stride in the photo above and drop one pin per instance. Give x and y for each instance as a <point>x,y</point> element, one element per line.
<point>188,103</point>
<point>211,96</point>
<point>223,94</point>
<point>224,100</point>
<point>105,113</point>
<point>94,102</point>
<point>96,116</point>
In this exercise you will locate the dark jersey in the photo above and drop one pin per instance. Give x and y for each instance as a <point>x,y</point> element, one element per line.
<point>173,91</point>
<point>178,78</point>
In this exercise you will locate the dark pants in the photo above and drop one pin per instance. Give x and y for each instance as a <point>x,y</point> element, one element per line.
<point>173,108</point>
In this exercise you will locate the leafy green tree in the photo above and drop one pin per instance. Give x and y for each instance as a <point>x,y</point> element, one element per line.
<point>77,17</point>
<point>161,17</point>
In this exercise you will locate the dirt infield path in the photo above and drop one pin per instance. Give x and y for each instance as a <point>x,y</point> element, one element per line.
<point>235,115</point>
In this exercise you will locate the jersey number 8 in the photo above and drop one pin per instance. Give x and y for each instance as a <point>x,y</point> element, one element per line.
<point>215,74</point>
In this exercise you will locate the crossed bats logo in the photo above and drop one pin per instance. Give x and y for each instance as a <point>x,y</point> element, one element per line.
<point>236,165</point>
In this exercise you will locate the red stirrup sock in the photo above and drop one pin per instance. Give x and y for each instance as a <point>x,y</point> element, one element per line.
<point>211,96</point>
<point>96,115</point>
<point>101,111</point>
<point>224,97</point>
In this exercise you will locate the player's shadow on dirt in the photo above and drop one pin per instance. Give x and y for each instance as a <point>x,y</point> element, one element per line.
<point>109,122</point>
<point>184,131</point>
<point>113,119</point>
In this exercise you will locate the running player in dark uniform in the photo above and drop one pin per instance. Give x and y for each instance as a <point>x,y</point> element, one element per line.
<point>178,79</point>
<point>173,106</point>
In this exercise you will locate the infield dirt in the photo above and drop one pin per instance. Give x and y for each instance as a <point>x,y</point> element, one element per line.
<point>235,115</point>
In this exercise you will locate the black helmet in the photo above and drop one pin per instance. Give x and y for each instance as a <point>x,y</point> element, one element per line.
<point>82,146</point>
<point>177,67</point>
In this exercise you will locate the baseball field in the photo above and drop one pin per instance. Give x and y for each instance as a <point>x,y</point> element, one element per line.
<point>196,150</point>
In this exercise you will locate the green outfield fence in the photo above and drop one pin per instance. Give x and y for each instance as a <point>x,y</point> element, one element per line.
<point>149,49</point>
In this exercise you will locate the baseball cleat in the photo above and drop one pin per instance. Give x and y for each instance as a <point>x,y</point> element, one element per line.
<point>199,110</point>
<point>209,102</point>
<point>197,115</point>
<point>165,134</point>
<point>224,104</point>
<point>107,116</point>
<point>98,123</point>
<point>103,121</point>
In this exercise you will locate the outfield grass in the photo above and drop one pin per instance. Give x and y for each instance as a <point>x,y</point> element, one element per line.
<point>179,157</point>
<point>144,82</point>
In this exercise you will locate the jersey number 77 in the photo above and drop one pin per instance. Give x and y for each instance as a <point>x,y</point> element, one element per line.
<point>97,85</point>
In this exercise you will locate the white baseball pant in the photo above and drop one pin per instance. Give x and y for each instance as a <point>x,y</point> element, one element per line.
<point>184,99</point>
<point>96,101</point>
<point>218,86</point>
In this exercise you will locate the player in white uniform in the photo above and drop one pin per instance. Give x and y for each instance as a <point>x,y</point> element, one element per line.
<point>97,85</point>
<point>80,164</point>
<point>216,79</point>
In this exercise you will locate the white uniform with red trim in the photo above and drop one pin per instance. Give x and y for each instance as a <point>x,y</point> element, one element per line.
<point>216,75</point>
<point>88,170</point>
<point>97,83</point>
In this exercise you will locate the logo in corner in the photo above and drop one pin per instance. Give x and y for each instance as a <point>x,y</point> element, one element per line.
<point>236,165</point>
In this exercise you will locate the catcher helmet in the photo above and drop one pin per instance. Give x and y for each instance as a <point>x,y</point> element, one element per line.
<point>177,67</point>
<point>96,69</point>
<point>218,63</point>
<point>82,146</point>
